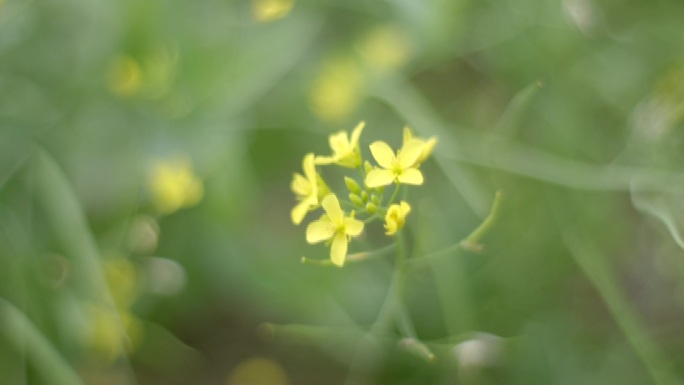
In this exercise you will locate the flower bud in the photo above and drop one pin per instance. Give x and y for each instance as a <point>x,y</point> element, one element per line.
<point>371,208</point>
<point>356,200</point>
<point>352,186</point>
<point>375,200</point>
<point>364,196</point>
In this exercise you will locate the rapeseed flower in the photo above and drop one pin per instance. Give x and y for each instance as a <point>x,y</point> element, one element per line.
<point>396,217</point>
<point>385,48</point>
<point>400,168</point>
<point>114,330</point>
<point>346,151</point>
<point>308,188</point>
<point>174,185</point>
<point>334,226</point>
<point>269,10</point>
<point>428,145</point>
<point>124,76</point>
<point>337,89</point>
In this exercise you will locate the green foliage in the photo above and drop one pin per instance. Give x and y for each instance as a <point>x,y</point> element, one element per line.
<point>572,109</point>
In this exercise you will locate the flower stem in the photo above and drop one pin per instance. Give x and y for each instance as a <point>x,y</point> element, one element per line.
<point>397,186</point>
<point>472,242</point>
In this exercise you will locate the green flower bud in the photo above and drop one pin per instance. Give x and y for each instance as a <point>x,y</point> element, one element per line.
<point>356,200</point>
<point>375,200</point>
<point>364,196</point>
<point>380,190</point>
<point>352,186</point>
<point>371,208</point>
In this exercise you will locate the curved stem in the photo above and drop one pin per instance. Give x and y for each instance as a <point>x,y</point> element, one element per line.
<point>397,187</point>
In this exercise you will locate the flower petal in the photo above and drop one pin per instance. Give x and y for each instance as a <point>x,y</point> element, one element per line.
<point>383,154</point>
<point>353,227</point>
<point>319,231</point>
<point>299,185</point>
<point>332,207</point>
<point>356,134</point>
<point>309,168</point>
<point>409,153</point>
<point>405,208</point>
<point>377,178</point>
<point>338,249</point>
<point>299,212</point>
<point>324,160</point>
<point>411,176</point>
<point>407,135</point>
<point>427,149</point>
<point>339,143</point>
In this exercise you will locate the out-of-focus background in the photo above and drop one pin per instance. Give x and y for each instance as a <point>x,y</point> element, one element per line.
<point>147,149</point>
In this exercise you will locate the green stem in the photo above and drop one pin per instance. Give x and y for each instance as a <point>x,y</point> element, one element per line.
<point>403,317</point>
<point>397,186</point>
<point>472,241</point>
<point>352,258</point>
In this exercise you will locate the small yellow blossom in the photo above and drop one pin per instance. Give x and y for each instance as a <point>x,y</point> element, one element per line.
<point>346,152</point>
<point>337,89</point>
<point>428,145</point>
<point>174,185</point>
<point>396,217</point>
<point>269,10</point>
<point>113,330</point>
<point>125,76</point>
<point>309,189</point>
<point>400,168</point>
<point>335,226</point>
<point>385,48</point>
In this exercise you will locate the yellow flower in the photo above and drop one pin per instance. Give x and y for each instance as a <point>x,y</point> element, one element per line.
<point>114,330</point>
<point>269,10</point>
<point>308,188</point>
<point>337,89</point>
<point>428,144</point>
<point>385,48</point>
<point>400,168</point>
<point>174,185</point>
<point>396,217</point>
<point>335,226</point>
<point>124,76</point>
<point>345,151</point>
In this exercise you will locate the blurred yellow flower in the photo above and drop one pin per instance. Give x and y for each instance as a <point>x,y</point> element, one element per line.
<point>173,185</point>
<point>400,168</point>
<point>124,76</point>
<point>115,330</point>
<point>396,217</point>
<point>112,332</point>
<point>258,371</point>
<point>334,226</point>
<point>269,10</point>
<point>428,145</point>
<point>308,189</point>
<point>152,76</point>
<point>384,48</point>
<point>345,151</point>
<point>337,89</point>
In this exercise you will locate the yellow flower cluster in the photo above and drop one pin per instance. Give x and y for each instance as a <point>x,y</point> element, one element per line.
<point>335,226</point>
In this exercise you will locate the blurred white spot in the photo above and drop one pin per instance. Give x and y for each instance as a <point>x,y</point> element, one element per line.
<point>164,276</point>
<point>143,235</point>
<point>482,350</point>
<point>583,14</point>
